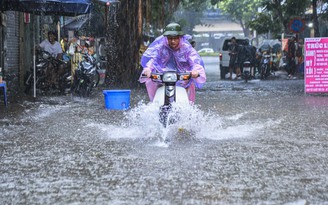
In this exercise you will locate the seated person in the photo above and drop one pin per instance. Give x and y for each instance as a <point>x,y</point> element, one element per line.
<point>54,48</point>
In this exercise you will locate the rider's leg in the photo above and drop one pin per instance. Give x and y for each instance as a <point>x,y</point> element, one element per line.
<point>151,89</point>
<point>238,72</point>
<point>231,66</point>
<point>60,72</point>
<point>50,73</point>
<point>191,91</point>
<point>230,72</point>
<point>252,71</point>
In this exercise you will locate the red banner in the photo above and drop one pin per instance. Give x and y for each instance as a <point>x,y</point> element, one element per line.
<point>27,18</point>
<point>284,44</point>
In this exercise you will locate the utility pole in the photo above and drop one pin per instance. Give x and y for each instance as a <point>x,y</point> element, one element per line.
<point>315,19</point>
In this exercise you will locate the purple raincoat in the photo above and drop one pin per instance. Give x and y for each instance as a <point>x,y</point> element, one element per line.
<point>160,57</point>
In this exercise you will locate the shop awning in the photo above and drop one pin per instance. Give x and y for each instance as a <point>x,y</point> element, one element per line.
<point>56,7</point>
<point>48,7</point>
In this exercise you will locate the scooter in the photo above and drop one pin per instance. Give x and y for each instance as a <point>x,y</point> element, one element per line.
<point>169,93</point>
<point>246,70</point>
<point>86,76</point>
<point>265,66</point>
<point>44,59</point>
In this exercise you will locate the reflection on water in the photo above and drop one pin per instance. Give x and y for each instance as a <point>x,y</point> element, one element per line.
<point>257,145</point>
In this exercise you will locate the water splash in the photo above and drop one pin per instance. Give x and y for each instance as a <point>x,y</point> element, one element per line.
<point>191,122</point>
<point>193,125</point>
<point>142,123</point>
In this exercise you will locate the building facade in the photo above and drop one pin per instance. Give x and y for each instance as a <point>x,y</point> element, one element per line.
<point>10,49</point>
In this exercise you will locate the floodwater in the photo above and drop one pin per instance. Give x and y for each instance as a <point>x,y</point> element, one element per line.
<point>262,142</point>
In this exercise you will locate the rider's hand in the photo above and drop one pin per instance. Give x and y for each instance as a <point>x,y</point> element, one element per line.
<point>147,72</point>
<point>194,73</point>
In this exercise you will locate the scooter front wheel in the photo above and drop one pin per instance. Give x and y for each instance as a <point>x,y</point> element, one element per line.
<point>164,114</point>
<point>246,78</point>
<point>96,79</point>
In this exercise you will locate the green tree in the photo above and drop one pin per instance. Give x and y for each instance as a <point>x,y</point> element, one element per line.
<point>189,14</point>
<point>277,14</point>
<point>242,11</point>
<point>127,23</point>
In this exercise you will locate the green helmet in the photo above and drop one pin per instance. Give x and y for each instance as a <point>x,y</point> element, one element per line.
<point>173,29</point>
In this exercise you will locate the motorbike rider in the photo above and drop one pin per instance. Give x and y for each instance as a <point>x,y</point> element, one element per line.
<point>53,47</point>
<point>172,51</point>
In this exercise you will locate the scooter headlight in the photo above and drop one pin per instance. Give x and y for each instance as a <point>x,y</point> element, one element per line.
<point>170,77</point>
<point>45,56</point>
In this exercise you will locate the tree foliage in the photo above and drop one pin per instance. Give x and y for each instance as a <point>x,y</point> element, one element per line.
<point>277,14</point>
<point>189,14</point>
<point>274,17</point>
<point>242,11</point>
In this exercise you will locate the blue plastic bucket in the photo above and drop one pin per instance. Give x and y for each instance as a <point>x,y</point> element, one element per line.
<point>117,99</point>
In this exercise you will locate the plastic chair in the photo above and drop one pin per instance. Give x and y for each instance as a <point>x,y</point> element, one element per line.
<point>4,86</point>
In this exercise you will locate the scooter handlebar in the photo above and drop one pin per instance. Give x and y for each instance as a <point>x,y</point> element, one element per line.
<point>188,74</point>
<point>143,75</point>
<point>185,76</point>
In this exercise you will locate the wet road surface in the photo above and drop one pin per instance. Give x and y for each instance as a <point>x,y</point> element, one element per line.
<point>262,142</point>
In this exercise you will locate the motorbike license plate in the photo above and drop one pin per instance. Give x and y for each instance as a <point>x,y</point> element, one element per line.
<point>247,69</point>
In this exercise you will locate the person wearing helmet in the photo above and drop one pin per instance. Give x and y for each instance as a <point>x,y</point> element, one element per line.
<point>172,51</point>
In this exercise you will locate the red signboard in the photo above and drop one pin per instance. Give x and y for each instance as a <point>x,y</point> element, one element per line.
<point>316,65</point>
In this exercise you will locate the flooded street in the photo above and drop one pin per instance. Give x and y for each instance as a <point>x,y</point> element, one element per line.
<point>261,142</point>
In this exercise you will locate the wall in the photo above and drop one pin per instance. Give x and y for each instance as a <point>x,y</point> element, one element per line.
<point>10,50</point>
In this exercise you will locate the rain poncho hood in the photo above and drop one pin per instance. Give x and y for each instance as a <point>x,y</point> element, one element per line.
<point>160,57</point>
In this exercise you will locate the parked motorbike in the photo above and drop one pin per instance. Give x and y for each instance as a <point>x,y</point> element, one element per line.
<point>86,76</point>
<point>247,73</point>
<point>265,66</point>
<point>248,58</point>
<point>283,63</point>
<point>274,62</point>
<point>43,61</point>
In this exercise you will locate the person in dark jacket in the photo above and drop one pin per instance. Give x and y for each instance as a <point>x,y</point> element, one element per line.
<point>248,53</point>
<point>234,62</point>
<point>291,58</point>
